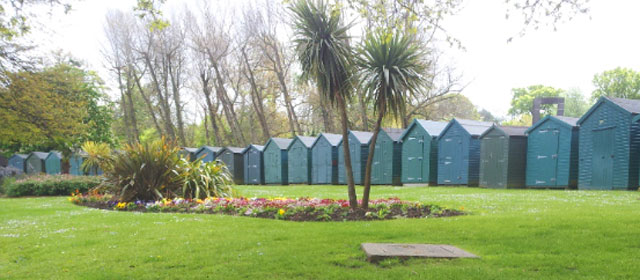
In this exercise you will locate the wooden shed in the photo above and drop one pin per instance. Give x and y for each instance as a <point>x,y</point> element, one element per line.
<point>324,159</point>
<point>359,150</point>
<point>459,152</point>
<point>386,166</point>
<point>17,161</point>
<point>420,152</point>
<point>75,164</point>
<point>253,165</point>
<point>189,153</point>
<point>552,153</point>
<point>299,154</point>
<point>503,157</point>
<point>276,168</point>
<point>53,163</point>
<point>233,159</point>
<point>34,163</point>
<point>207,153</point>
<point>609,145</point>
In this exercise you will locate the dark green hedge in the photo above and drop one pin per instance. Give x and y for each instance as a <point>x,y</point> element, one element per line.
<point>48,185</point>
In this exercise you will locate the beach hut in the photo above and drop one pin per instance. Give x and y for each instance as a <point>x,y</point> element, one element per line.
<point>609,145</point>
<point>189,153</point>
<point>207,153</point>
<point>503,157</point>
<point>324,159</point>
<point>359,150</point>
<point>34,163</point>
<point>276,161</point>
<point>17,161</point>
<point>552,153</point>
<point>253,163</point>
<point>459,152</point>
<point>233,159</point>
<point>299,155</point>
<point>420,152</point>
<point>4,161</point>
<point>386,165</point>
<point>53,163</point>
<point>75,164</point>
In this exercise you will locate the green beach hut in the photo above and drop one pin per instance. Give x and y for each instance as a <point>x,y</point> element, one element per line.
<point>189,153</point>
<point>324,159</point>
<point>387,160</point>
<point>552,153</point>
<point>503,157</point>
<point>253,165</point>
<point>609,143</point>
<point>34,163</point>
<point>359,151</point>
<point>276,167</point>
<point>459,152</point>
<point>17,161</point>
<point>233,159</point>
<point>299,155</point>
<point>420,152</point>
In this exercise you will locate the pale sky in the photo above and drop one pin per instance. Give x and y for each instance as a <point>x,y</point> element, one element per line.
<point>568,58</point>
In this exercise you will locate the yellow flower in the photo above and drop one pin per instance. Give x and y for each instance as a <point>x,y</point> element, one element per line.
<point>121,205</point>
<point>281,212</point>
<point>199,201</point>
<point>461,208</point>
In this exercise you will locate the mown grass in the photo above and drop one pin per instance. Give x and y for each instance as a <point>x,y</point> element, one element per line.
<point>518,234</point>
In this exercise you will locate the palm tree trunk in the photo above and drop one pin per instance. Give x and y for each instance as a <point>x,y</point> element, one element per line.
<point>372,149</point>
<point>353,197</point>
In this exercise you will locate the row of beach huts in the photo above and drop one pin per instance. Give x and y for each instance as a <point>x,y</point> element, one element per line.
<point>600,150</point>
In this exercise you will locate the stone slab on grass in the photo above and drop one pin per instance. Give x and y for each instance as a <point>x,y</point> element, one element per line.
<point>378,251</point>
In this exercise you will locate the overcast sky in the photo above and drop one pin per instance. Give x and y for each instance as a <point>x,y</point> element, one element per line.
<point>568,58</point>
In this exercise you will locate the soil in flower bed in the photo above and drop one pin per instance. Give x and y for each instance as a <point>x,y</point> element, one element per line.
<point>302,209</point>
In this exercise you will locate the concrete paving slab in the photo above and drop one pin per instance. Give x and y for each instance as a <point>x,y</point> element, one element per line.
<point>378,251</point>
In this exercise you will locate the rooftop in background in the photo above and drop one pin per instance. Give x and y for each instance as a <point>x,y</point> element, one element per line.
<point>630,105</point>
<point>282,143</point>
<point>474,128</point>
<point>363,136</point>
<point>394,133</point>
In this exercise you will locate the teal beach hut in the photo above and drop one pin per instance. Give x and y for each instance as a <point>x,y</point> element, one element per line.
<point>299,155</point>
<point>324,159</point>
<point>253,165</point>
<point>276,167</point>
<point>459,152</point>
<point>17,161</point>
<point>386,165</point>
<point>609,143</point>
<point>359,151</point>
<point>207,153</point>
<point>552,153</point>
<point>420,152</point>
<point>233,159</point>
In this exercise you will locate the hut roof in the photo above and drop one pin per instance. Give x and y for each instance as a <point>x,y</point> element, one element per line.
<point>40,155</point>
<point>282,143</point>
<point>364,137</point>
<point>334,139</point>
<point>307,141</point>
<point>235,150</point>
<point>394,133</point>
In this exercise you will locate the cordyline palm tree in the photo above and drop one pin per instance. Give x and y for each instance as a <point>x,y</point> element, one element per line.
<point>322,47</point>
<point>390,69</point>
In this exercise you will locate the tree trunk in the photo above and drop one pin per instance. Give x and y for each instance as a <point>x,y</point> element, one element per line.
<point>132,112</point>
<point>294,125</point>
<point>256,98</point>
<point>149,106</point>
<point>327,120</point>
<point>164,105</point>
<point>212,114</point>
<point>227,108</point>
<point>123,107</point>
<point>175,85</point>
<point>353,197</point>
<point>206,128</point>
<point>363,111</point>
<point>372,149</point>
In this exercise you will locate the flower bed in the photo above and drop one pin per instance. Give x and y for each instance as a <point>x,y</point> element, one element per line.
<point>302,209</point>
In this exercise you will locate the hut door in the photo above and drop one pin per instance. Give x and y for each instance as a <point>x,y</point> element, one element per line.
<point>414,158</point>
<point>453,170</point>
<point>602,163</point>
<point>252,166</point>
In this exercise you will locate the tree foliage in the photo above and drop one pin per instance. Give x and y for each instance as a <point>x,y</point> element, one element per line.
<point>619,82</point>
<point>58,107</point>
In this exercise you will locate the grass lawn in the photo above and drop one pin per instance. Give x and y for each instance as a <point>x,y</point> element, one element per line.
<point>517,233</point>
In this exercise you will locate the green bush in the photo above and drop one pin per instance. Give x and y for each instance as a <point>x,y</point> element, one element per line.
<point>154,170</point>
<point>48,185</point>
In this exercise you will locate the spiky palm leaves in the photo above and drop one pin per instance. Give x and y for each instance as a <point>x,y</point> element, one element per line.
<point>391,68</point>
